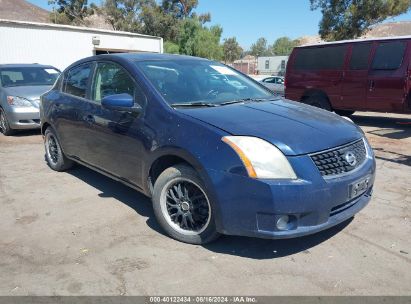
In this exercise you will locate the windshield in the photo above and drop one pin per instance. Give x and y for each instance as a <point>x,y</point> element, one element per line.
<point>190,81</point>
<point>28,76</point>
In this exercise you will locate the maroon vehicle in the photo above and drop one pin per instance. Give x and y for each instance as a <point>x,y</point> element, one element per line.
<point>348,76</point>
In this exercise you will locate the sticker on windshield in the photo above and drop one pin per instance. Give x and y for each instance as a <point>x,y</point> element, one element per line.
<point>51,71</point>
<point>223,70</point>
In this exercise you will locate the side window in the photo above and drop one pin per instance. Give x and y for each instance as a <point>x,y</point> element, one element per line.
<point>360,55</point>
<point>111,79</point>
<point>268,80</point>
<point>320,58</point>
<point>76,80</point>
<point>389,55</point>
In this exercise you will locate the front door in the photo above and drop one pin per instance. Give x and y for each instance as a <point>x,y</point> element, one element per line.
<point>387,77</point>
<point>354,90</point>
<point>115,143</point>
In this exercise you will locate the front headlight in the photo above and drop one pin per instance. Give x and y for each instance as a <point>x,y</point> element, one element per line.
<point>260,158</point>
<point>18,102</point>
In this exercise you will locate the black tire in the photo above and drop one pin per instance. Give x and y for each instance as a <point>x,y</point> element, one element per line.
<point>319,102</point>
<point>193,224</point>
<point>4,124</point>
<point>54,154</point>
<point>344,112</point>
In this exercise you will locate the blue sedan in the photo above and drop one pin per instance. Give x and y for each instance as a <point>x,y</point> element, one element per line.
<point>215,150</point>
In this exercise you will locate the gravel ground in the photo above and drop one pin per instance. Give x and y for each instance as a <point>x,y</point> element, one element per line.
<point>80,233</point>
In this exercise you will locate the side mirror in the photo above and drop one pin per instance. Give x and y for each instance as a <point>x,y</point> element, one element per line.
<point>121,102</point>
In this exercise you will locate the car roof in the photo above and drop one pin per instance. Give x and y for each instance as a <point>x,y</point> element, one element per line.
<point>136,57</point>
<point>354,41</point>
<point>25,65</point>
<point>155,56</point>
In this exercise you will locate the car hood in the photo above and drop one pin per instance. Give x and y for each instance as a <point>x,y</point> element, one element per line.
<point>28,92</point>
<point>293,127</point>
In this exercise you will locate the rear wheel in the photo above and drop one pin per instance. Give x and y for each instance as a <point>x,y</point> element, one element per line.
<point>182,206</point>
<point>54,154</point>
<point>344,112</point>
<point>319,102</point>
<point>4,124</point>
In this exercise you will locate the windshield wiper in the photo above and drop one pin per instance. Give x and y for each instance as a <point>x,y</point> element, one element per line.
<point>242,101</point>
<point>193,104</point>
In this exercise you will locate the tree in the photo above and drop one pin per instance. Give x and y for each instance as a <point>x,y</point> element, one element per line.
<point>149,17</point>
<point>260,48</point>
<point>71,11</point>
<point>195,39</point>
<point>348,19</point>
<point>232,50</point>
<point>171,48</point>
<point>154,21</point>
<point>180,9</point>
<point>124,15</point>
<point>283,46</point>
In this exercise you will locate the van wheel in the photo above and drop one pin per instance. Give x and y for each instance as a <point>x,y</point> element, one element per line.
<point>4,124</point>
<point>319,102</point>
<point>344,112</point>
<point>54,154</point>
<point>182,206</point>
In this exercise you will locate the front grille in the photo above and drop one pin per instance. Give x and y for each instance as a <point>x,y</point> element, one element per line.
<point>334,162</point>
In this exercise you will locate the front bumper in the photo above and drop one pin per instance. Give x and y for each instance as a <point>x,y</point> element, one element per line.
<point>250,207</point>
<point>23,118</point>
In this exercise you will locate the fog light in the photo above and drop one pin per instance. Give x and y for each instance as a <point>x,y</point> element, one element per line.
<point>283,222</point>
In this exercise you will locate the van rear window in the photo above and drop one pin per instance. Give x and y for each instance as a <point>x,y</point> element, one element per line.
<point>321,58</point>
<point>389,55</point>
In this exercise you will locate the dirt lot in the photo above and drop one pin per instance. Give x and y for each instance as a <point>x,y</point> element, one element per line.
<point>80,233</point>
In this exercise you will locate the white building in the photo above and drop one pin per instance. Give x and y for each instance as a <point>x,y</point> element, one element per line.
<point>61,45</point>
<point>274,65</point>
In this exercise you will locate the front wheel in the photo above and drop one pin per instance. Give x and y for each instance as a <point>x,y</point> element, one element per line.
<point>54,154</point>
<point>4,124</point>
<point>182,206</point>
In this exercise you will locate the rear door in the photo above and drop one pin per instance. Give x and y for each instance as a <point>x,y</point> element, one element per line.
<point>386,89</point>
<point>355,78</point>
<point>68,109</point>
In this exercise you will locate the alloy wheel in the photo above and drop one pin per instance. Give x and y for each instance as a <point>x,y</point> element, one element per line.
<point>185,206</point>
<point>52,148</point>
<point>2,121</point>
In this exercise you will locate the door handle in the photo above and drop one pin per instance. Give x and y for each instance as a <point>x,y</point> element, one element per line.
<point>372,85</point>
<point>89,119</point>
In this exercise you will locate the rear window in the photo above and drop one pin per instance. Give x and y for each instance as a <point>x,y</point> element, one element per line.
<point>389,55</point>
<point>76,80</point>
<point>360,55</point>
<point>320,58</point>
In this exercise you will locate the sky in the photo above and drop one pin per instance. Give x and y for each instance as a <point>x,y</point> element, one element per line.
<point>248,20</point>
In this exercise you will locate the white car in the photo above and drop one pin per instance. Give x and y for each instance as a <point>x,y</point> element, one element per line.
<point>274,83</point>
